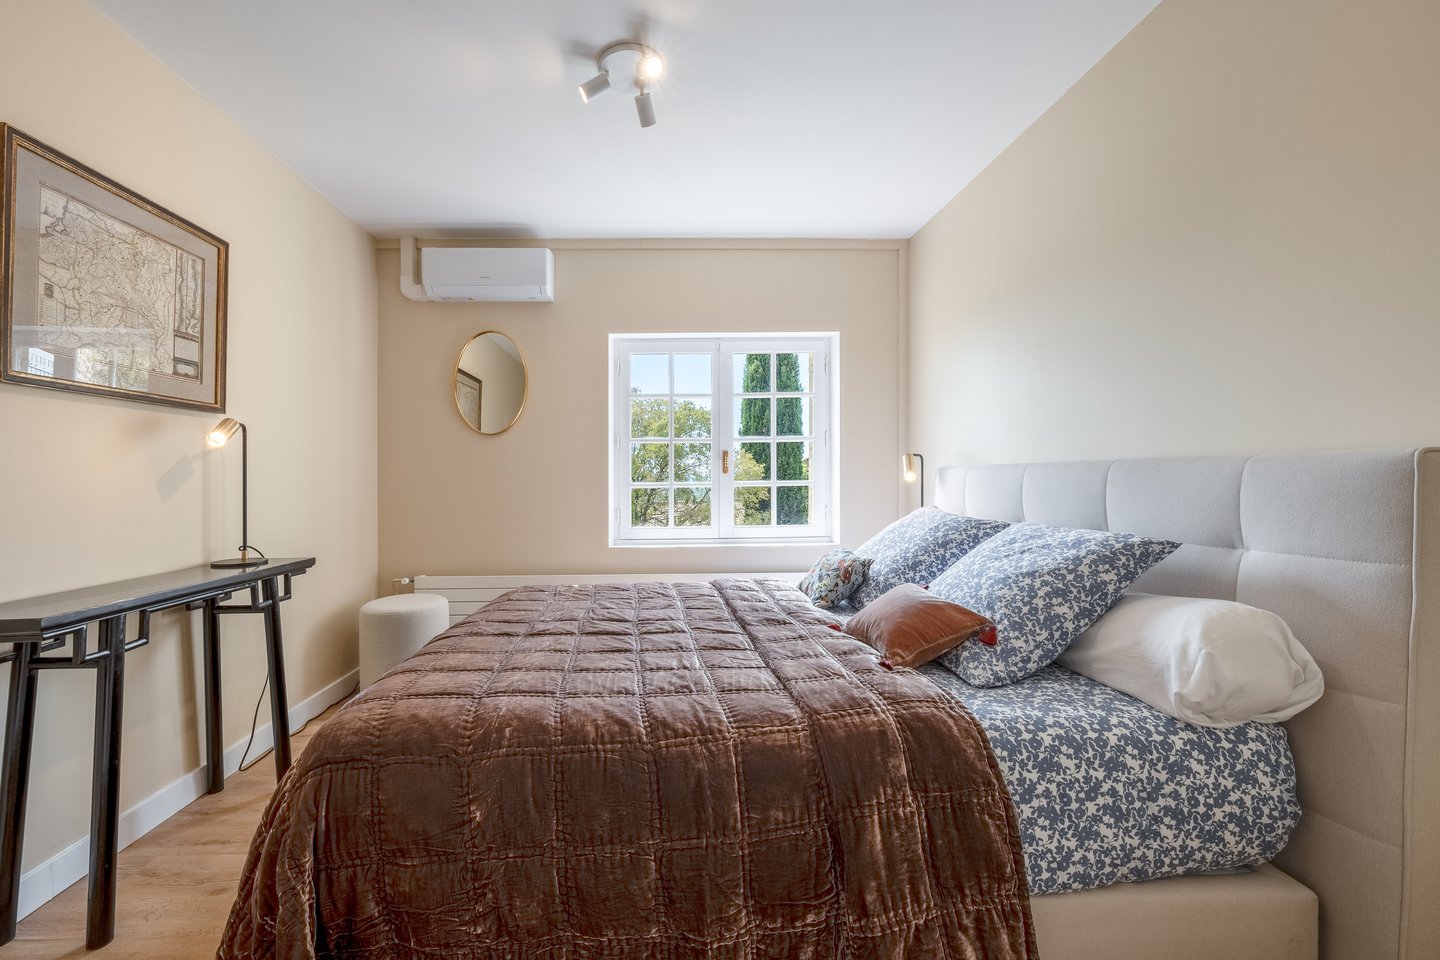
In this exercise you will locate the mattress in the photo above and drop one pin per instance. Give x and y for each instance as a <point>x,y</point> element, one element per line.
<point>1109,789</point>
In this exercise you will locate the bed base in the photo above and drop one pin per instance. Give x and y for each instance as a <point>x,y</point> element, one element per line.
<point>1260,915</point>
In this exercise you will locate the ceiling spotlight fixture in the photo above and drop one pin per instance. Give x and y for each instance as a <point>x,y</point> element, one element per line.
<point>631,67</point>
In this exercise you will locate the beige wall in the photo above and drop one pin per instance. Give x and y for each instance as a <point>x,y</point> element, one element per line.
<point>97,490</point>
<point>1224,239</point>
<point>533,499</point>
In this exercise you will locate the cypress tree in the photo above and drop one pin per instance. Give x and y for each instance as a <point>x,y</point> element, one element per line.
<point>794,503</point>
<point>755,421</point>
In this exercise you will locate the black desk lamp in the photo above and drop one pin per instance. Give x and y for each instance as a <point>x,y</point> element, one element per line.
<point>907,466</point>
<point>218,437</point>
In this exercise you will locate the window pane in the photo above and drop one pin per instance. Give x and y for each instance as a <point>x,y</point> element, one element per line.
<point>752,417</point>
<point>649,418</point>
<point>752,506</point>
<point>794,371</point>
<point>752,373</point>
<point>792,461</point>
<point>793,506</point>
<point>692,418</point>
<point>650,507</point>
<point>650,373</point>
<point>692,506</point>
<point>752,462</point>
<point>792,417</point>
<point>692,373</point>
<point>649,462</point>
<point>692,462</point>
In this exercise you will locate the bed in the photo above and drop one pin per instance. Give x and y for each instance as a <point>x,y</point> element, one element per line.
<point>1342,545</point>
<point>1345,546</point>
<point>675,771</point>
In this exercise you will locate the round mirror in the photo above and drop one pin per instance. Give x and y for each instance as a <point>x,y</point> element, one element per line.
<point>490,382</point>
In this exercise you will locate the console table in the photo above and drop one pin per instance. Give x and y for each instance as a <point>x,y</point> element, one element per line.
<point>54,633</point>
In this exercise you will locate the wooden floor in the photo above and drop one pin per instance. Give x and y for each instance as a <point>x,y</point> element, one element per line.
<point>176,882</point>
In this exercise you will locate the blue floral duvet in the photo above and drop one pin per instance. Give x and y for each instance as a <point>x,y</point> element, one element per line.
<point>1108,789</point>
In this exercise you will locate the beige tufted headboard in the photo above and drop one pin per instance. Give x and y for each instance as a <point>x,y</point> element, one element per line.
<point>1346,547</point>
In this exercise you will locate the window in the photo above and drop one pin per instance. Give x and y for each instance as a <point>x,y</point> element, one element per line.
<point>722,439</point>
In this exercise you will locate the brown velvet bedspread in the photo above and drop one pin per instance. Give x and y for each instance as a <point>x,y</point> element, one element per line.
<point>650,770</point>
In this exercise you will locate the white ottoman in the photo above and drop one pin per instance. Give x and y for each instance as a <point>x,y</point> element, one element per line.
<point>392,628</point>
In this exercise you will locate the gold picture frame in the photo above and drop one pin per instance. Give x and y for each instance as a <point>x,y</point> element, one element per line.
<point>102,291</point>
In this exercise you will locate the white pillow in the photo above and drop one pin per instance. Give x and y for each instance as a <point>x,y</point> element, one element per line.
<point>1211,662</point>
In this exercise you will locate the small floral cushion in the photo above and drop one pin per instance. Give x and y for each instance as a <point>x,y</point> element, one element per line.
<point>1042,586</point>
<point>834,577</point>
<point>917,548</point>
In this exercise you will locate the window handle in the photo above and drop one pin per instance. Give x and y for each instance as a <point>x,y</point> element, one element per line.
<point>724,461</point>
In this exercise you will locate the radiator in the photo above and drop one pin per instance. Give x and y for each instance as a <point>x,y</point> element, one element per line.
<point>468,594</point>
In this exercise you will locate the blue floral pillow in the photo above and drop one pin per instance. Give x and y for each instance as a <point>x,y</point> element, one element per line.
<point>917,548</point>
<point>1043,587</point>
<point>834,577</point>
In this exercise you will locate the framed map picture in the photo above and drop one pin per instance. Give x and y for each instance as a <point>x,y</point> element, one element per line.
<point>101,290</point>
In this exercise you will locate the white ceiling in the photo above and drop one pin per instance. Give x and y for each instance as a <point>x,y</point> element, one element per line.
<point>793,118</point>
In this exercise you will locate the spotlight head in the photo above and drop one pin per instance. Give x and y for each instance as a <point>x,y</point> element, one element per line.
<point>645,109</point>
<point>651,66</point>
<point>221,433</point>
<point>595,86</point>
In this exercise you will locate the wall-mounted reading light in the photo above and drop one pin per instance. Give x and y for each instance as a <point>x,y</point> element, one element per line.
<point>630,66</point>
<point>908,463</point>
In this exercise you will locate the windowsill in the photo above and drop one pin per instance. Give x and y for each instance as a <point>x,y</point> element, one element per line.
<point>787,542</point>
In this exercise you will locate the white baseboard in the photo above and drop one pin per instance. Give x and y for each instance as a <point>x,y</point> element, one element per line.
<point>73,863</point>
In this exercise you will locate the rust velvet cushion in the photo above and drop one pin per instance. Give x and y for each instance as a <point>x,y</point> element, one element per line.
<point>911,626</point>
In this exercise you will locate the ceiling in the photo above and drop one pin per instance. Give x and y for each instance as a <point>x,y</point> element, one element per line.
<point>777,118</point>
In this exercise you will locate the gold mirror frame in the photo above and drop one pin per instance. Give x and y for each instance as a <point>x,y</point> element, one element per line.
<point>524,373</point>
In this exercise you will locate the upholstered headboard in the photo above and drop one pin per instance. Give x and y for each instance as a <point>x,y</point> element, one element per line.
<point>1346,547</point>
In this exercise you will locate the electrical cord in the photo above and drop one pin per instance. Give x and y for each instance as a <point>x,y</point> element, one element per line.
<point>255,722</point>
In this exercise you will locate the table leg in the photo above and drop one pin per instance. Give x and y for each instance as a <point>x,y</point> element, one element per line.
<point>105,785</point>
<point>279,702</point>
<point>15,775</point>
<point>214,716</point>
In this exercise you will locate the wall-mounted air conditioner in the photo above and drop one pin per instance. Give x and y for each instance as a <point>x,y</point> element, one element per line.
<point>508,274</point>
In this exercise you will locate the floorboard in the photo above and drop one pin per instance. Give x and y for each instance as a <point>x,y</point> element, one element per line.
<point>176,882</point>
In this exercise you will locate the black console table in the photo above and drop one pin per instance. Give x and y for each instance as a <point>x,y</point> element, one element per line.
<point>54,633</point>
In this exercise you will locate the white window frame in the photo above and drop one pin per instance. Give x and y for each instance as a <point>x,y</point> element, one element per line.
<point>723,531</point>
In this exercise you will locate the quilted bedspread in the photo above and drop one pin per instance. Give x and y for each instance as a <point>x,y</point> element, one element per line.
<point>647,770</point>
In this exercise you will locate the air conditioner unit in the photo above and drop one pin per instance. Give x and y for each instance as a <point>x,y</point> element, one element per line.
<point>482,273</point>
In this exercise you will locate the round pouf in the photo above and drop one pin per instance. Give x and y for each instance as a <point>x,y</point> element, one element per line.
<point>392,628</point>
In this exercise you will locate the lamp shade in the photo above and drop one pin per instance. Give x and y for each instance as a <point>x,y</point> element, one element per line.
<point>645,109</point>
<point>221,433</point>
<point>595,86</point>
